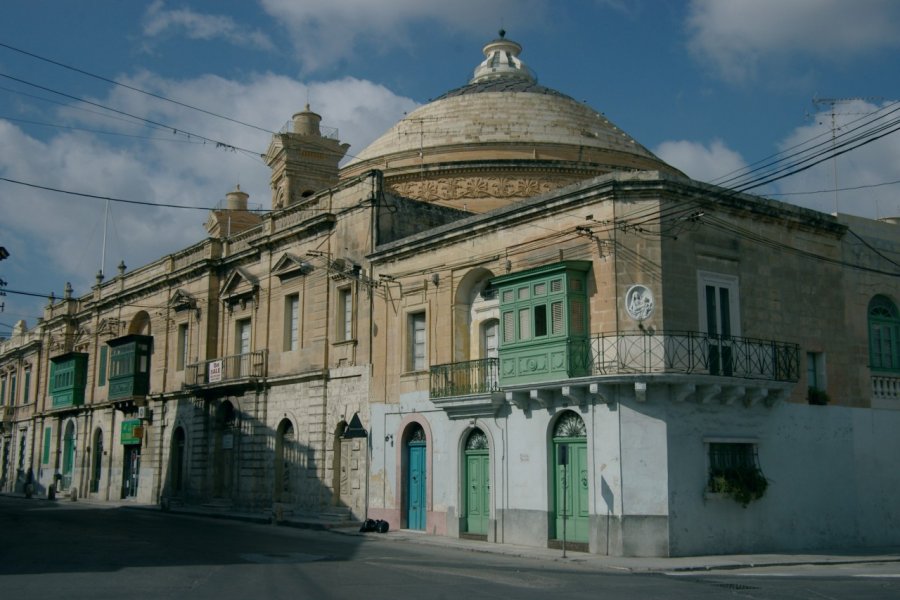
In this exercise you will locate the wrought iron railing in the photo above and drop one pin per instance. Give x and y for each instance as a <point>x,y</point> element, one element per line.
<point>465,378</point>
<point>625,353</point>
<point>692,352</point>
<point>226,368</point>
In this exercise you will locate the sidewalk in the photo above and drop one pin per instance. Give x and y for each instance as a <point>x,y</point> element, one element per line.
<point>684,564</point>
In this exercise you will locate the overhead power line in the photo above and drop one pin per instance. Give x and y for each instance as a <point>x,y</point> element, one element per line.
<point>132,88</point>
<point>98,197</point>
<point>97,131</point>
<point>174,130</point>
<point>867,125</point>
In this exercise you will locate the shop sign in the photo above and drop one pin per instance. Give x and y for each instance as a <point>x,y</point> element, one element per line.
<point>132,432</point>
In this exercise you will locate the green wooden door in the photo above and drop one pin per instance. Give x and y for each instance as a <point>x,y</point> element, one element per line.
<point>416,486</point>
<point>68,458</point>
<point>478,491</point>
<point>571,490</point>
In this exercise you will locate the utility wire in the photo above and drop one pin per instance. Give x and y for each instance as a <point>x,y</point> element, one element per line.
<point>175,130</point>
<point>138,202</point>
<point>99,132</point>
<point>733,176</point>
<point>846,189</point>
<point>132,88</point>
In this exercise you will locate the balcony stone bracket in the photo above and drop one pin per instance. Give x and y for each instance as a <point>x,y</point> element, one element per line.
<point>520,399</point>
<point>729,394</point>
<point>604,393</point>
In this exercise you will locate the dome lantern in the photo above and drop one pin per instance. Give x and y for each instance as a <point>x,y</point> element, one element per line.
<point>502,60</point>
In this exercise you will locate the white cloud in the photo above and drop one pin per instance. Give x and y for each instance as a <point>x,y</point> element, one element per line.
<point>327,31</point>
<point>738,37</point>
<point>870,169</point>
<point>160,21</point>
<point>701,162</point>
<point>63,233</point>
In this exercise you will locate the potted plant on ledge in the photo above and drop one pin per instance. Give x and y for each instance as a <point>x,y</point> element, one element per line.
<point>743,484</point>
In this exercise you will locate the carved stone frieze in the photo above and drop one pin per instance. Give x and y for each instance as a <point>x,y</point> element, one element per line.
<point>475,187</point>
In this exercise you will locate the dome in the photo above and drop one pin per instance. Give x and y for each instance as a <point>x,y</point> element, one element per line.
<point>500,138</point>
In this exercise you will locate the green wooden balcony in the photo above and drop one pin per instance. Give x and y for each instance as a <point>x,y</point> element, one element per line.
<point>68,377</point>
<point>129,366</point>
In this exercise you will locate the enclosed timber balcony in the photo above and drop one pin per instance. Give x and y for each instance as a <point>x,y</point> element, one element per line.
<point>68,377</point>
<point>234,369</point>
<point>692,365</point>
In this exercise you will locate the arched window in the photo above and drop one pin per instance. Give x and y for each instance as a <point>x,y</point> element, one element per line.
<point>884,334</point>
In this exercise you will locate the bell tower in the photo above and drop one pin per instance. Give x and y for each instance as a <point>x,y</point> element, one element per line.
<point>303,161</point>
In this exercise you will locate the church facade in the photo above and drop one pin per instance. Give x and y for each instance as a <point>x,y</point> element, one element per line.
<point>506,320</point>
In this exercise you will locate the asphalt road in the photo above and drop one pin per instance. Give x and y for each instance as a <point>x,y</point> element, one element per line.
<point>72,550</point>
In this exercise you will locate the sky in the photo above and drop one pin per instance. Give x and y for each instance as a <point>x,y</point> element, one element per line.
<point>710,86</point>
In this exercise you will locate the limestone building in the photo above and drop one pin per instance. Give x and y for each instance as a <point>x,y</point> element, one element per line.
<point>504,319</point>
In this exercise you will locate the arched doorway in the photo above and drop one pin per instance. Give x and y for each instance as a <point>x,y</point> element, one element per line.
<point>285,443</point>
<point>68,457</point>
<point>477,481</point>
<point>96,460</point>
<point>570,491</point>
<point>176,462</point>
<point>225,434</point>
<point>416,477</point>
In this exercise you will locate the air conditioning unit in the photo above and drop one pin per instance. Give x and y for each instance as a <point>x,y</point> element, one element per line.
<point>144,412</point>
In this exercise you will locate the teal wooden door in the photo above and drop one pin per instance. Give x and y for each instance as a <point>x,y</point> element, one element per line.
<point>478,491</point>
<point>571,493</point>
<point>68,459</point>
<point>416,498</point>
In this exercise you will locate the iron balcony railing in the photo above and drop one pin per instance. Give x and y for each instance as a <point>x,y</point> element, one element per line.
<point>226,368</point>
<point>465,378</point>
<point>689,352</point>
<point>633,353</point>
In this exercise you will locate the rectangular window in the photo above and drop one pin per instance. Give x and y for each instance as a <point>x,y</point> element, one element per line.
<point>12,389</point>
<point>143,358</point>
<point>524,324</point>
<point>557,324</point>
<point>509,327</point>
<point>812,371</point>
<point>719,306</point>
<point>182,349</point>
<point>2,391</point>
<point>345,315</point>
<point>26,387</point>
<point>101,368</point>
<point>540,320</point>
<point>815,378</point>
<point>292,322</point>
<point>734,469</point>
<point>242,337</point>
<point>725,456</point>
<point>417,341</point>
